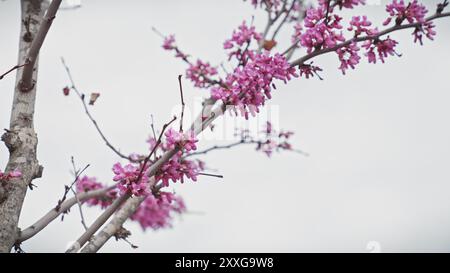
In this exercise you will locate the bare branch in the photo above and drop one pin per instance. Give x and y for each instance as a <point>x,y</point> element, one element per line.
<point>182,103</point>
<point>288,12</point>
<point>77,173</point>
<point>91,118</point>
<point>68,188</point>
<point>12,69</point>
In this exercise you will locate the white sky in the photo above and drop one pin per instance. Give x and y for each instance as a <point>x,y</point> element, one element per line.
<point>378,138</point>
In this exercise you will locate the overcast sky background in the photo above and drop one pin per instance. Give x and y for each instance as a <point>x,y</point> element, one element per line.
<point>378,137</point>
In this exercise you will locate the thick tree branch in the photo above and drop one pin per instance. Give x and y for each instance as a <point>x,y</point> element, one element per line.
<point>54,213</point>
<point>26,83</point>
<point>132,204</point>
<point>98,223</point>
<point>21,139</point>
<point>111,209</point>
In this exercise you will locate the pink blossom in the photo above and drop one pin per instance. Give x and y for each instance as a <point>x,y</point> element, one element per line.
<point>383,49</point>
<point>285,134</point>
<point>86,184</point>
<point>243,35</point>
<point>267,147</point>
<point>427,29</point>
<point>249,86</point>
<point>413,12</point>
<point>380,48</point>
<point>297,32</point>
<point>178,139</point>
<point>269,128</point>
<point>361,25</point>
<point>320,32</point>
<point>152,143</point>
<point>7,176</point>
<point>348,56</point>
<point>309,70</point>
<point>157,211</point>
<point>177,168</point>
<point>198,73</point>
<point>169,42</point>
<point>127,176</point>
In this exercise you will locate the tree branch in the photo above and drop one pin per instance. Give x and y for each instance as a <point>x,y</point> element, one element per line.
<point>12,69</point>
<point>91,118</point>
<point>111,209</point>
<point>86,236</point>
<point>132,204</point>
<point>54,213</point>
<point>316,53</point>
<point>26,83</point>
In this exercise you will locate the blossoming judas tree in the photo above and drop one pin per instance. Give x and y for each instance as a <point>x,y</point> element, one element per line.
<point>260,61</point>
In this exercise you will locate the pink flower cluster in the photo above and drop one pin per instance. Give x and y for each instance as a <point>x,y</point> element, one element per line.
<point>413,12</point>
<point>169,42</point>
<point>157,211</point>
<point>186,141</point>
<point>320,32</point>
<point>361,25</point>
<point>380,48</point>
<point>177,168</point>
<point>348,57</point>
<point>274,141</point>
<point>249,86</point>
<point>243,35</point>
<point>86,184</point>
<point>309,70</point>
<point>426,29</point>
<point>131,179</point>
<point>8,176</point>
<point>199,72</point>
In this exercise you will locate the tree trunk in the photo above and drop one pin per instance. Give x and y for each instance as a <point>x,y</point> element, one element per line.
<point>21,138</point>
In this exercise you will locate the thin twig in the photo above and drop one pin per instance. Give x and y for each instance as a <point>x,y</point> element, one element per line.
<point>76,173</point>
<point>68,188</point>
<point>182,103</point>
<point>288,12</point>
<point>218,147</point>
<point>88,113</point>
<point>154,148</point>
<point>80,209</point>
<point>327,12</point>
<point>12,69</point>
<point>213,175</point>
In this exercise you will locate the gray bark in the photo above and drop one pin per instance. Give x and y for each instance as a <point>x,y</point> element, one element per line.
<point>21,138</point>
